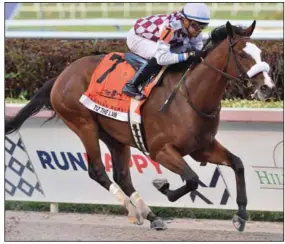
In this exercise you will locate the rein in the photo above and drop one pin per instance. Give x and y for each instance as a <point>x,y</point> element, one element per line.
<point>241,77</point>
<point>211,115</point>
<point>163,108</point>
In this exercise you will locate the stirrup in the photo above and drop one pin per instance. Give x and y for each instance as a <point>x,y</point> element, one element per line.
<point>134,94</point>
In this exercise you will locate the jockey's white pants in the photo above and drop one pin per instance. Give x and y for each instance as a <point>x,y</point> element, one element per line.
<point>141,46</point>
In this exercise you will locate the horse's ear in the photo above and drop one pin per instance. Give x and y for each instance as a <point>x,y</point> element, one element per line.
<point>230,30</point>
<point>249,30</point>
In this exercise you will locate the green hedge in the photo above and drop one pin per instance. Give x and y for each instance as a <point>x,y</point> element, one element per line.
<point>29,63</point>
<point>160,211</point>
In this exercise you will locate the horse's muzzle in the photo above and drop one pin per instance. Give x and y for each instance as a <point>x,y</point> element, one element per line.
<point>263,93</point>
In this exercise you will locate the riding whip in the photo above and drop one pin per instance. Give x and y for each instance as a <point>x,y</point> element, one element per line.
<point>173,93</point>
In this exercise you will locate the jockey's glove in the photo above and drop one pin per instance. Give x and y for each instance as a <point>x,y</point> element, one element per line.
<point>196,54</point>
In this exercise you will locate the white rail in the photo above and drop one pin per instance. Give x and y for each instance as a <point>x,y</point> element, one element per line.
<point>127,9</point>
<point>258,35</point>
<point>127,22</point>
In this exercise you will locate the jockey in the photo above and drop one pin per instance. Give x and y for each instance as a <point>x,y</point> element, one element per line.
<point>167,39</point>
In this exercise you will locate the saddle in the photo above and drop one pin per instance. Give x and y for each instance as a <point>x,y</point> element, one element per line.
<point>137,62</point>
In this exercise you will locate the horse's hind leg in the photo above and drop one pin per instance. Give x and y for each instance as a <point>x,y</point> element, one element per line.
<point>217,154</point>
<point>122,176</point>
<point>121,173</point>
<point>87,130</point>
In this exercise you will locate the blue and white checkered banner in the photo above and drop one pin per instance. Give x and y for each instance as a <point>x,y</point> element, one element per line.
<point>21,181</point>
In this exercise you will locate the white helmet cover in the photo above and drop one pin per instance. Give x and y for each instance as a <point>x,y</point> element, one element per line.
<point>197,11</point>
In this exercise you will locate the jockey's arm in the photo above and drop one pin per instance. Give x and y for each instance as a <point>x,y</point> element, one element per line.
<point>187,48</point>
<point>163,54</point>
<point>199,45</point>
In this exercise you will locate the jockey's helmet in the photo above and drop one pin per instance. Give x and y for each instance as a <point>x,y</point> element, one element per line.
<point>196,11</point>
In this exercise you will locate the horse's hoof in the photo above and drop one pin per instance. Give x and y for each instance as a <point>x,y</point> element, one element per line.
<point>140,220</point>
<point>158,224</point>
<point>132,219</point>
<point>238,223</point>
<point>135,220</point>
<point>160,184</point>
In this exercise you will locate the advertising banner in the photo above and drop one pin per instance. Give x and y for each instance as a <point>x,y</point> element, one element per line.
<point>60,168</point>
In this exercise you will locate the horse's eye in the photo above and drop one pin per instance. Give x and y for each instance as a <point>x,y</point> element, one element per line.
<point>243,55</point>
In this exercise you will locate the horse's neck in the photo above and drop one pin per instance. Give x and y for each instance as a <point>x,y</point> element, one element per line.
<point>205,85</point>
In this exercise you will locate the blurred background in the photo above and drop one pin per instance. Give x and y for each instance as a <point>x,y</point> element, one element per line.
<point>42,38</point>
<point>110,17</point>
<point>134,10</point>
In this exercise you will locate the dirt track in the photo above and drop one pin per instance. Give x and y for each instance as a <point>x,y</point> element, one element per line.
<point>33,226</point>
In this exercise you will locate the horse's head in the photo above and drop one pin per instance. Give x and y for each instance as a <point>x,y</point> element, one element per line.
<point>244,60</point>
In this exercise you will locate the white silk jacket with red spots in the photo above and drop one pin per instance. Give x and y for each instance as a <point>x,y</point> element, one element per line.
<point>150,28</point>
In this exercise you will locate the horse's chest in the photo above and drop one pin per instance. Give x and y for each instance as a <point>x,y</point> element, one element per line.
<point>197,137</point>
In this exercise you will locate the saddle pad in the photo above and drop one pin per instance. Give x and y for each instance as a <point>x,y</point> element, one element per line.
<point>104,94</point>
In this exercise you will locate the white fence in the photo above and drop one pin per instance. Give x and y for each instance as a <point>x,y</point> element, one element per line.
<point>258,35</point>
<point>276,24</point>
<point>265,29</point>
<point>128,9</point>
<point>47,163</point>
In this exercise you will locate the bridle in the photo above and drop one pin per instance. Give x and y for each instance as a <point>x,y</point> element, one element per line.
<point>242,77</point>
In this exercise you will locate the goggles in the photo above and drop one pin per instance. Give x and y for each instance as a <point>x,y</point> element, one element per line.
<point>198,26</point>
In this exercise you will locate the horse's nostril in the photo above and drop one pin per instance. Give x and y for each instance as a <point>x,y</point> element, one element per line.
<point>264,88</point>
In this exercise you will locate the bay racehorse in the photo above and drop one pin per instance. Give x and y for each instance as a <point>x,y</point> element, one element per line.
<point>187,126</point>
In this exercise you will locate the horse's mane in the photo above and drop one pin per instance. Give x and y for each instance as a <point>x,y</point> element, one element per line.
<point>219,34</point>
<point>216,36</point>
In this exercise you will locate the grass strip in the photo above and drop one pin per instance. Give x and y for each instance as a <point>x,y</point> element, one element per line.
<point>164,212</point>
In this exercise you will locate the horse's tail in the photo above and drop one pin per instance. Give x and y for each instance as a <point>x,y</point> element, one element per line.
<point>39,100</point>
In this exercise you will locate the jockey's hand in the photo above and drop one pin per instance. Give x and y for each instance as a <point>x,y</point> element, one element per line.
<point>196,54</point>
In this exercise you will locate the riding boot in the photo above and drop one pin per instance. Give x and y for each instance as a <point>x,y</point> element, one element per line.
<point>131,88</point>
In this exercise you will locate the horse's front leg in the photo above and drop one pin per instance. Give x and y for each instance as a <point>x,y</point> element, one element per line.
<point>217,154</point>
<point>171,159</point>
